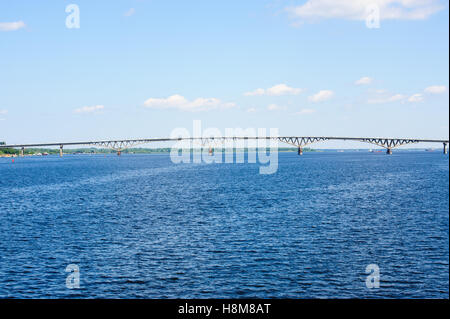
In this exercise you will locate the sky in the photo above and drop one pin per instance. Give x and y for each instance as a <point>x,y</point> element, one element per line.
<point>140,69</point>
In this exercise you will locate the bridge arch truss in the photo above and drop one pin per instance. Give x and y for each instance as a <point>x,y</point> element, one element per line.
<point>222,141</point>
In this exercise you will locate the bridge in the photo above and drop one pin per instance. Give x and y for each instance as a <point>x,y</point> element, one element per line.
<point>298,141</point>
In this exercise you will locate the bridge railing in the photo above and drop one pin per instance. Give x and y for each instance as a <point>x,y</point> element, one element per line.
<point>298,141</point>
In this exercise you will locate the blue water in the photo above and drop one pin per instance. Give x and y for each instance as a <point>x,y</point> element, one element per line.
<point>139,226</point>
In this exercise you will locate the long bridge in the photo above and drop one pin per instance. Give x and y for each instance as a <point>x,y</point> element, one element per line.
<point>298,141</point>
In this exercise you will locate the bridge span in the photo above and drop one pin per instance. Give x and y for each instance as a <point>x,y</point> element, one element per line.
<point>298,141</point>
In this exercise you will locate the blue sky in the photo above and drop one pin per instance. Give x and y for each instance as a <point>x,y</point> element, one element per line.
<point>139,69</point>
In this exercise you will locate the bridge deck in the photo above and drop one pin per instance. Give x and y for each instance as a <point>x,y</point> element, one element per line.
<point>280,138</point>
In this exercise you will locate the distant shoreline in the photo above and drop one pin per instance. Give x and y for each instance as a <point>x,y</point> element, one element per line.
<point>45,151</point>
<point>11,153</point>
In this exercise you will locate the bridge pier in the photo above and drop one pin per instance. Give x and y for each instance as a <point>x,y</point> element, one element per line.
<point>389,151</point>
<point>300,151</point>
<point>22,152</point>
<point>60,150</point>
<point>445,148</point>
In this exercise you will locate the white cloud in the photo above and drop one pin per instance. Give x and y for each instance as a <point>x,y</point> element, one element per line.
<point>179,102</point>
<point>276,90</point>
<point>255,92</point>
<point>364,81</point>
<point>415,98</point>
<point>3,112</point>
<point>11,26</point>
<point>388,99</point>
<point>89,109</point>
<point>275,107</point>
<point>130,12</point>
<point>359,9</point>
<point>321,96</point>
<point>436,89</point>
<point>305,111</point>
<point>251,110</point>
<point>283,89</point>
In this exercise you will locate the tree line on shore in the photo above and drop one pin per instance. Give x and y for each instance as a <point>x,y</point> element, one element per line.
<point>34,151</point>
